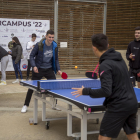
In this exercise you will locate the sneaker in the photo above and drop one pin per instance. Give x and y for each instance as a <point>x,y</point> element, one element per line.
<point>17,81</point>
<point>24,109</point>
<point>3,83</point>
<point>21,80</point>
<point>55,108</point>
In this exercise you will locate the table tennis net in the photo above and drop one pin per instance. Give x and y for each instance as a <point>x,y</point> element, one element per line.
<point>68,84</point>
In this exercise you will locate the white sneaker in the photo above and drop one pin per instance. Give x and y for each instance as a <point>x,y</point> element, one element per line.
<point>24,109</point>
<point>3,83</point>
<point>17,81</point>
<point>21,80</point>
<point>55,108</point>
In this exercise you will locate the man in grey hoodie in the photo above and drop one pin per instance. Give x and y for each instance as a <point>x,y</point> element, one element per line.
<point>4,62</point>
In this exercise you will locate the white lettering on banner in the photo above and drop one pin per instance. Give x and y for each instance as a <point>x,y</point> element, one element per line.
<point>23,29</point>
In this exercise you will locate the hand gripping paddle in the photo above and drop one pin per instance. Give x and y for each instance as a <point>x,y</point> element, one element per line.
<point>64,75</point>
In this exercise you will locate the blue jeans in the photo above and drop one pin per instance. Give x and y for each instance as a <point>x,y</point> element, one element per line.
<point>17,69</point>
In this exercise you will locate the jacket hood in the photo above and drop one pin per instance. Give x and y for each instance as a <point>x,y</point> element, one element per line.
<point>54,43</point>
<point>110,54</point>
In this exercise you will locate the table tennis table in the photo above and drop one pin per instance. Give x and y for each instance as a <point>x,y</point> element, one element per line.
<point>91,108</point>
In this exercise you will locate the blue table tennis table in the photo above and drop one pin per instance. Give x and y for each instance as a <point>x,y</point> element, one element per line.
<point>91,108</point>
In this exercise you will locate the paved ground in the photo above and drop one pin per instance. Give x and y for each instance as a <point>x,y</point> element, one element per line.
<point>14,125</point>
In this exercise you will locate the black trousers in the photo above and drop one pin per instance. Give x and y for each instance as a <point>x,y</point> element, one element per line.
<point>47,73</point>
<point>28,68</point>
<point>134,72</point>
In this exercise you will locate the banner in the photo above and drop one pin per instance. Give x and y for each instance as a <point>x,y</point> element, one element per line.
<point>22,29</point>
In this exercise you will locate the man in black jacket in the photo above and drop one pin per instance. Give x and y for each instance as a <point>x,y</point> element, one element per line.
<point>133,56</point>
<point>121,103</point>
<point>4,62</point>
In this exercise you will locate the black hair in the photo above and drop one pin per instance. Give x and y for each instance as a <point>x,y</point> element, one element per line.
<point>50,32</point>
<point>100,41</point>
<point>137,28</point>
<point>33,35</point>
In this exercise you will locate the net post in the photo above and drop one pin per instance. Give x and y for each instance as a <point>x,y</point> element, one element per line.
<point>38,85</point>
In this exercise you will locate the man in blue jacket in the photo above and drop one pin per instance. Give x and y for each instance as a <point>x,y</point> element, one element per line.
<point>44,61</point>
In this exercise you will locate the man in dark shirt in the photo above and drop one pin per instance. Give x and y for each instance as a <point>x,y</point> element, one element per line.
<point>121,103</point>
<point>133,56</point>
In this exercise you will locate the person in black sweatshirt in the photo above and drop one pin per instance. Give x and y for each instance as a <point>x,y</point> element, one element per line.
<point>120,99</point>
<point>133,56</point>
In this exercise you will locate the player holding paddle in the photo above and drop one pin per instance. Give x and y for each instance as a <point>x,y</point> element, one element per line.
<point>121,103</point>
<point>44,61</point>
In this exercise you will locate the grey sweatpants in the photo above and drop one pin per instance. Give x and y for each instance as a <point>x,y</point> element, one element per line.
<point>4,62</point>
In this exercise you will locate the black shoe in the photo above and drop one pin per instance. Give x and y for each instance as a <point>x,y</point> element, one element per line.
<point>27,78</point>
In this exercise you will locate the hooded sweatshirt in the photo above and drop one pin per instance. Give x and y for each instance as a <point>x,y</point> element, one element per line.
<point>116,86</point>
<point>3,52</point>
<point>134,48</point>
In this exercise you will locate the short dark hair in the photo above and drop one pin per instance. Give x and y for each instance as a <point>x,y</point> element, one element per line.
<point>50,32</point>
<point>137,28</point>
<point>33,35</point>
<point>100,41</point>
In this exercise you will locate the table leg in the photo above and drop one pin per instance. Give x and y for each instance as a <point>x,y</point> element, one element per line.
<point>69,121</point>
<point>43,108</point>
<point>84,125</point>
<point>35,111</point>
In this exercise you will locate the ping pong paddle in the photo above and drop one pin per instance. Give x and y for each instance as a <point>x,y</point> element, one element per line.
<point>64,75</point>
<point>92,74</point>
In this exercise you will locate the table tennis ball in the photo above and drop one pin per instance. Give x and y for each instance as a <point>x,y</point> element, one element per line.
<point>76,67</point>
